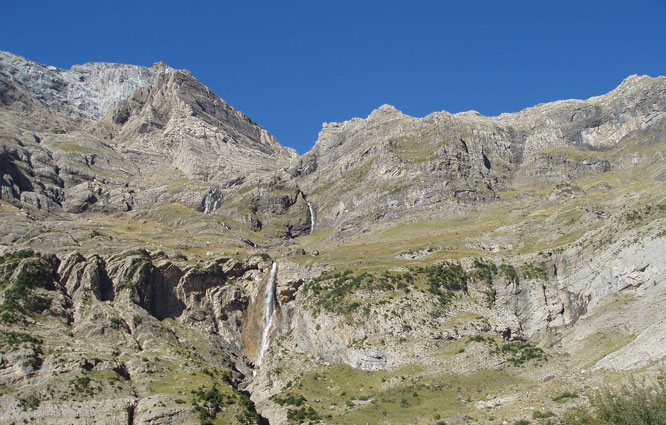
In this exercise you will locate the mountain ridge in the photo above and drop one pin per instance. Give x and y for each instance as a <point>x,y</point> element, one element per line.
<point>453,268</point>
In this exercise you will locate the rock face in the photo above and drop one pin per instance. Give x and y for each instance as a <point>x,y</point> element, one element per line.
<point>87,90</point>
<point>489,262</point>
<point>108,317</point>
<point>180,119</point>
<point>93,138</point>
<point>390,165</point>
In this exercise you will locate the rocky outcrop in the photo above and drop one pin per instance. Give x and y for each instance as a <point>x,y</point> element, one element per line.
<point>391,166</point>
<point>55,155</point>
<point>186,125</point>
<point>113,312</point>
<point>87,90</point>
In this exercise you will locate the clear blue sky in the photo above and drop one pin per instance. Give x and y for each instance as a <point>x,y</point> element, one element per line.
<point>291,65</point>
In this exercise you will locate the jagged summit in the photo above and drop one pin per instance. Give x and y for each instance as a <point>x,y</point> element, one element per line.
<point>88,90</point>
<point>385,111</point>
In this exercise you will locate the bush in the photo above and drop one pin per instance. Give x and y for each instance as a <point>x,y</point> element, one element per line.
<point>288,400</point>
<point>564,397</point>
<point>207,403</point>
<point>534,271</point>
<point>632,404</point>
<point>542,415</point>
<point>510,273</point>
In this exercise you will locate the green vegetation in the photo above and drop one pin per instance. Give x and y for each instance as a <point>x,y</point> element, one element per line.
<point>520,352</point>
<point>565,397</point>
<point>249,415</point>
<point>208,403</point>
<point>510,273</point>
<point>340,394</point>
<point>20,273</point>
<point>537,414</point>
<point>10,340</point>
<point>640,215</point>
<point>485,271</point>
<point>516,352</point>
<point>636,403</point>
<point>289,400</point>
<point>334,291</point>
<point>303,415</point>
<point>534,271</point>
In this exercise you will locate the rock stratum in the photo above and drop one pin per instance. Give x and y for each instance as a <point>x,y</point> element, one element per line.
<point>166,261</point>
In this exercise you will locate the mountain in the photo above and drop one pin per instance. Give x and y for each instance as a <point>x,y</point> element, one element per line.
<point>165,260</point>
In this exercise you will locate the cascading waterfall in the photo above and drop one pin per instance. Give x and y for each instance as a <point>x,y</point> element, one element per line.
<point>312,217</point>
<point>210,202</point>
<point>268,313</point>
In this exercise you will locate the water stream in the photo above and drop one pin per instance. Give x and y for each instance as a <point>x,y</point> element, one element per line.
<point>268,313</point>
<point>210,202</point>
<point>312,217</point>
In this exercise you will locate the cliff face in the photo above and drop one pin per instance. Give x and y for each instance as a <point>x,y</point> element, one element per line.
<point>490,262</point>
<point>87,90</point>
<point>390,165</point>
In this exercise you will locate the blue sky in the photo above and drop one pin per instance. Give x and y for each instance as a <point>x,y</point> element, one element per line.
<point>291,65</point>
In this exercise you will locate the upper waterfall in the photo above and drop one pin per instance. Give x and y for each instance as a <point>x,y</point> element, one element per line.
<point>312,217</point>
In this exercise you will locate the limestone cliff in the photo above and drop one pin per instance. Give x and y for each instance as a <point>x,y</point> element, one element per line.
<point>452,268</point>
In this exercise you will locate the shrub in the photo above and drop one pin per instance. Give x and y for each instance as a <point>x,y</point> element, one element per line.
<point>207,403</point>
<point>542,415</point>
<point>288,400</point>
<point>636,403</point>
<point>510,273</point>
<point>564,397</point>
<point>534,271</point>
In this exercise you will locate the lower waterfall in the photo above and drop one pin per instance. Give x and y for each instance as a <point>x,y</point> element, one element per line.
<point>268,313</point>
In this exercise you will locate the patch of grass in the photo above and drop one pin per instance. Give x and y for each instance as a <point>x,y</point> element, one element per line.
<point>565,397</point>
<point>208,403</point>
<point>417,147</point>
<point>33,272</point>
<point>510,273</point>
<point>636,403</point>
<point>516,352</point>
<point>485,271</point>
<point>537,414</point>
<point>353,396</point>
<point>10,340</point>
<point>534,271</point>
<point>288,400</point>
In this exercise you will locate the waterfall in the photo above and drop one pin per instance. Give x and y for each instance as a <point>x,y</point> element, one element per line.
<point>211,200</point>
<point>312,217</point>
<point>268,313</point>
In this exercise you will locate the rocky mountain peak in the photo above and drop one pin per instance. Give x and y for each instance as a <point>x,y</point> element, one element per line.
<point>385,111</point>
<point>162,66</point>
<point>87,90</point>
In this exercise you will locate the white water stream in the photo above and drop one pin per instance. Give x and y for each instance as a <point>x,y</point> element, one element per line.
<point>312,217</point>
<point>210,205</point>
<point>268,313</point>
